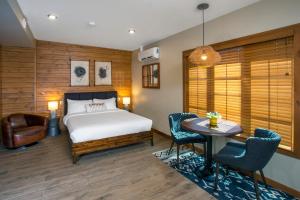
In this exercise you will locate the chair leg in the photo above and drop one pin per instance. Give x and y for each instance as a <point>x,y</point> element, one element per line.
<point>263,177</point>
<point>226,171</point>
<point>178,149</point>
<point>171,148</point>
<point>255,185</point>
<point>217,175</point>
<point>193,146</point>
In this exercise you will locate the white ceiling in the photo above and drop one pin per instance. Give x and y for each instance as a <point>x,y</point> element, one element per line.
<point>12,33</point>
<point>152,19</point>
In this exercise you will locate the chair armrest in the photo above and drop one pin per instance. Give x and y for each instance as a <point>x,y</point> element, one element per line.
<point>36,120</point>
<point>7,133</point>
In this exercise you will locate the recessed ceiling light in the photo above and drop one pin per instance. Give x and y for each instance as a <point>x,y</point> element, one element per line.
<point>131,31</point>
<point>92,23</point>
<point>52,17</point>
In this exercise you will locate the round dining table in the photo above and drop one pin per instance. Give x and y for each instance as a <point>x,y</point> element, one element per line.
<point>202,126</point>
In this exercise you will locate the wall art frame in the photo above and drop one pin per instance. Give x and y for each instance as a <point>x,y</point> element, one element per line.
<point>79,72</point>
<point>103,73</point>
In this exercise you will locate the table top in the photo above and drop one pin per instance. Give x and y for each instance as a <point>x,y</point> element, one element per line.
<point>201,125</point>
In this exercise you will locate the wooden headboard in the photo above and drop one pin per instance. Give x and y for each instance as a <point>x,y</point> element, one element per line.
<point>88,96</point>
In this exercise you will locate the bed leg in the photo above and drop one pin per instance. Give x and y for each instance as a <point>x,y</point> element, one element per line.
<point>151,141</point>
<point>75,158</point>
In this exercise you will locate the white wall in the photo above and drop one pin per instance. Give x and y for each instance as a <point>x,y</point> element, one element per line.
<point>158,103</point>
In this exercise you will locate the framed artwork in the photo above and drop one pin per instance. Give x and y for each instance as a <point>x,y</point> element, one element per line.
<point>102,73</point>
<point>79,73</point>
<point>151,76</point>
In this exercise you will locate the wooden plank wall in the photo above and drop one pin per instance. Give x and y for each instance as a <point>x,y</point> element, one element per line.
<point>32,77</point>
<point>53,70</point>
<point>17,77</point>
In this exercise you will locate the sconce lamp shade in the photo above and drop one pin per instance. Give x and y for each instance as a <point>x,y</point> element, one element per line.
<point>204,56</point>
<point>52,105</point>
<point>126,100</point>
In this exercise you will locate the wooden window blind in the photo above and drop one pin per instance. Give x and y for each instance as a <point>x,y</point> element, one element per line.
<point>197,90</point>
<point>253,86</point>
<point>271,76</point>
<point>227,89</point>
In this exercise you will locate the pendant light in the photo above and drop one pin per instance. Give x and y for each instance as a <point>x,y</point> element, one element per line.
<point>204,56</point>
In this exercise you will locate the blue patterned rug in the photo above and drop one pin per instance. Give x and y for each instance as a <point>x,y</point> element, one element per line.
<point>232,186</point>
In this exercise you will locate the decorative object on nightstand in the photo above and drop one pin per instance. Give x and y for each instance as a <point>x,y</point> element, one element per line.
<point>126,102</point>
<point>53,127</point>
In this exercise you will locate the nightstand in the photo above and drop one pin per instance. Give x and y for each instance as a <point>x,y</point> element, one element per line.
<point>53,127</point>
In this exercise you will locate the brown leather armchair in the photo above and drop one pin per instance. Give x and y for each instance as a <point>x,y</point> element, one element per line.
<point>23,129</point>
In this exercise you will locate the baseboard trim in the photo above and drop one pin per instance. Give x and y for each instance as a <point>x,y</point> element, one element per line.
<point>161,133</point>
<point>281,187</point>
<point>271,182</point>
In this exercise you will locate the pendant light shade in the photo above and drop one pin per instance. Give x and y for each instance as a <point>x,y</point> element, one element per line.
<point>204,56</point>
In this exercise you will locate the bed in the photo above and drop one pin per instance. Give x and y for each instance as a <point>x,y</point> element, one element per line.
<point>95,131</point>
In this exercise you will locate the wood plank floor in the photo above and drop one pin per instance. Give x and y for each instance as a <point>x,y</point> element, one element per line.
<point>45,171</point>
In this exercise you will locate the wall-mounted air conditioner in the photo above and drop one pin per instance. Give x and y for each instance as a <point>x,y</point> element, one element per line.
<point>149,55</point>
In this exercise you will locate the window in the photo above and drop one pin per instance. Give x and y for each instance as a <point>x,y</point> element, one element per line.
<point>151,76</point>
<point>197,90</point>
<point>271,97</point>
<point>227,91</point>
<point>253,86</point>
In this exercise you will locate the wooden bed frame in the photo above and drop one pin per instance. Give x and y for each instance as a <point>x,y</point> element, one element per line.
<point>82,148</point>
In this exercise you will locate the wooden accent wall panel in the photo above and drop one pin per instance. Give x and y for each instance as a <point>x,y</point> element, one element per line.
<point>17,80</point>
<point>53,70</point>
<point>30,77</point>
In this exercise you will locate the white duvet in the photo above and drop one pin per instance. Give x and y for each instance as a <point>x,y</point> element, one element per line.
<point>98,125</point>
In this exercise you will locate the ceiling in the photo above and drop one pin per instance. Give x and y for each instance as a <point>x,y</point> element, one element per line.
<point>12,33</point>
<point>153,20</point>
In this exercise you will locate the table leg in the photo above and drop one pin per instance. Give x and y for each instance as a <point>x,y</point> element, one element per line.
<point>206,172</point>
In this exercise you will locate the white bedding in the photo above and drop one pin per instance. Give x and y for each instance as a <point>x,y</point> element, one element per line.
<point>98,125</point>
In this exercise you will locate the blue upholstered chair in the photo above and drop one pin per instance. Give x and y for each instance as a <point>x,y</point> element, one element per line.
<point>251,156</point>
<point>181,136</point>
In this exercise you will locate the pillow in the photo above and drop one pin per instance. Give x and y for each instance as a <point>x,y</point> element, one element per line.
<point>110,104</point>
<point>77,106</point>
<point>95,107</point>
